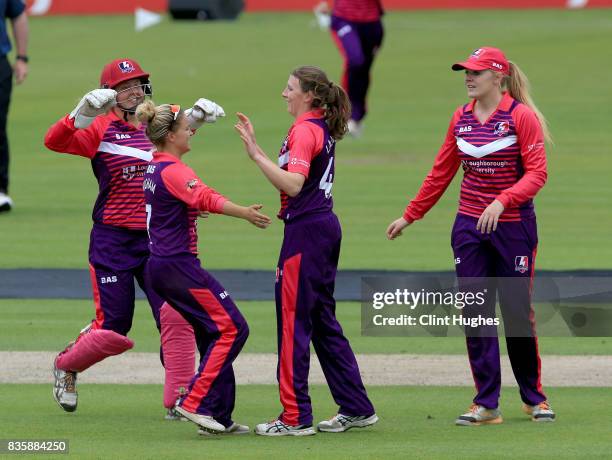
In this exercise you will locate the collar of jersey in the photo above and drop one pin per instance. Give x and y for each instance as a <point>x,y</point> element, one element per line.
<point>113,117</point>
<point>165,157</point>
<point>504,104</point>
<point>314,113</point>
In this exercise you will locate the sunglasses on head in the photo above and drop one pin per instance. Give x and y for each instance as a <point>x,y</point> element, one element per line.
<point>176,110</point>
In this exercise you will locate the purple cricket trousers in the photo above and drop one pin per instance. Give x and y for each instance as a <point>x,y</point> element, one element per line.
<point>219,327</point>
<point>305,312</point>
<point>117,257</point>
<point>508,252</point>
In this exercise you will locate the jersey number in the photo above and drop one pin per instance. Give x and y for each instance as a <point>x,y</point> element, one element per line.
<point>148,210</point>
<point>327,181</point>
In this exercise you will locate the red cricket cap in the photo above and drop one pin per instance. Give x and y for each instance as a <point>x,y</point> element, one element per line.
<point>485,58</point>
<point>121,70</point>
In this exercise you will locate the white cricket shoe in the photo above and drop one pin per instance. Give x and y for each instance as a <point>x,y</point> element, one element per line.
<point>540,412</point>
<point>64,389</point>
<point>173,416</point>
<point>280,428</point>
<point>234,429</point>
<point>205,422</point>
<point>355,128</point>
<point>479,415</point>
<point>5,202</point>
<point>340,422</point>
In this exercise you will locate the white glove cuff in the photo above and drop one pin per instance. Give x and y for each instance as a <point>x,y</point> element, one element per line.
<point>82,121</point>
<point>194,123</point>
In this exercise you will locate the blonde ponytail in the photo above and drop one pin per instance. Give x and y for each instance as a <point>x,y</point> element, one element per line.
<point>145,112</point>
<point>159,120</point>
<point>517,86</point>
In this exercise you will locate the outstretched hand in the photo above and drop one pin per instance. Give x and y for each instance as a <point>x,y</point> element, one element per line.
<point>395,228</point>
<point>247,134</point>
<point>255,217</point>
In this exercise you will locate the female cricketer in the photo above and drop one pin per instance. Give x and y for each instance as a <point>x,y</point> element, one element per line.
<point>306,272</point>
<point>498,139</point>
<point>357,30</point>
<point>104,129</point>
<point>174,197</point>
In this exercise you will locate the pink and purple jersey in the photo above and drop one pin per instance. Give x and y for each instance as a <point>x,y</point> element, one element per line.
<point>358,10</point>
<point>174,197</point>
<point>503,159</point>
<point>308,150</point>
<point>119,154</point>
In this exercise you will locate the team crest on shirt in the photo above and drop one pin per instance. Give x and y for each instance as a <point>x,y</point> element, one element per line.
<point>521,264</point>
<point>502,128</point>
<point>192,183</point>
<point>126,67</point>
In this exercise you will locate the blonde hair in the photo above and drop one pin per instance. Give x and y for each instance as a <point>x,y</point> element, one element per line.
<point>327,95</point>
<point>517,86</point>
<point>159,120</point>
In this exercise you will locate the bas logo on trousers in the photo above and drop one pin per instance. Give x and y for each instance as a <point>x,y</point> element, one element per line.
<point>108,279</point>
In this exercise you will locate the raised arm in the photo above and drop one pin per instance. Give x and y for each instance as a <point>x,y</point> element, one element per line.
<point>289,182</point>
<point>80,132</point>
<point>64,137</point>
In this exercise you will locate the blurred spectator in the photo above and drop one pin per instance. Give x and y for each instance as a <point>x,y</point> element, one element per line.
<point>15,11</point>
<point>358,32</point>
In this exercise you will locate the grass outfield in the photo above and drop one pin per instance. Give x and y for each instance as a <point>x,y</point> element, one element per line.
<point>39,325</point>
<point>244,65</point>
<point>125,421</point>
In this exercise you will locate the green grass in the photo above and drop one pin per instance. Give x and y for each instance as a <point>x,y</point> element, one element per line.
<point>244,65</point>
<point>125,421</point>
<point>38,325</point>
